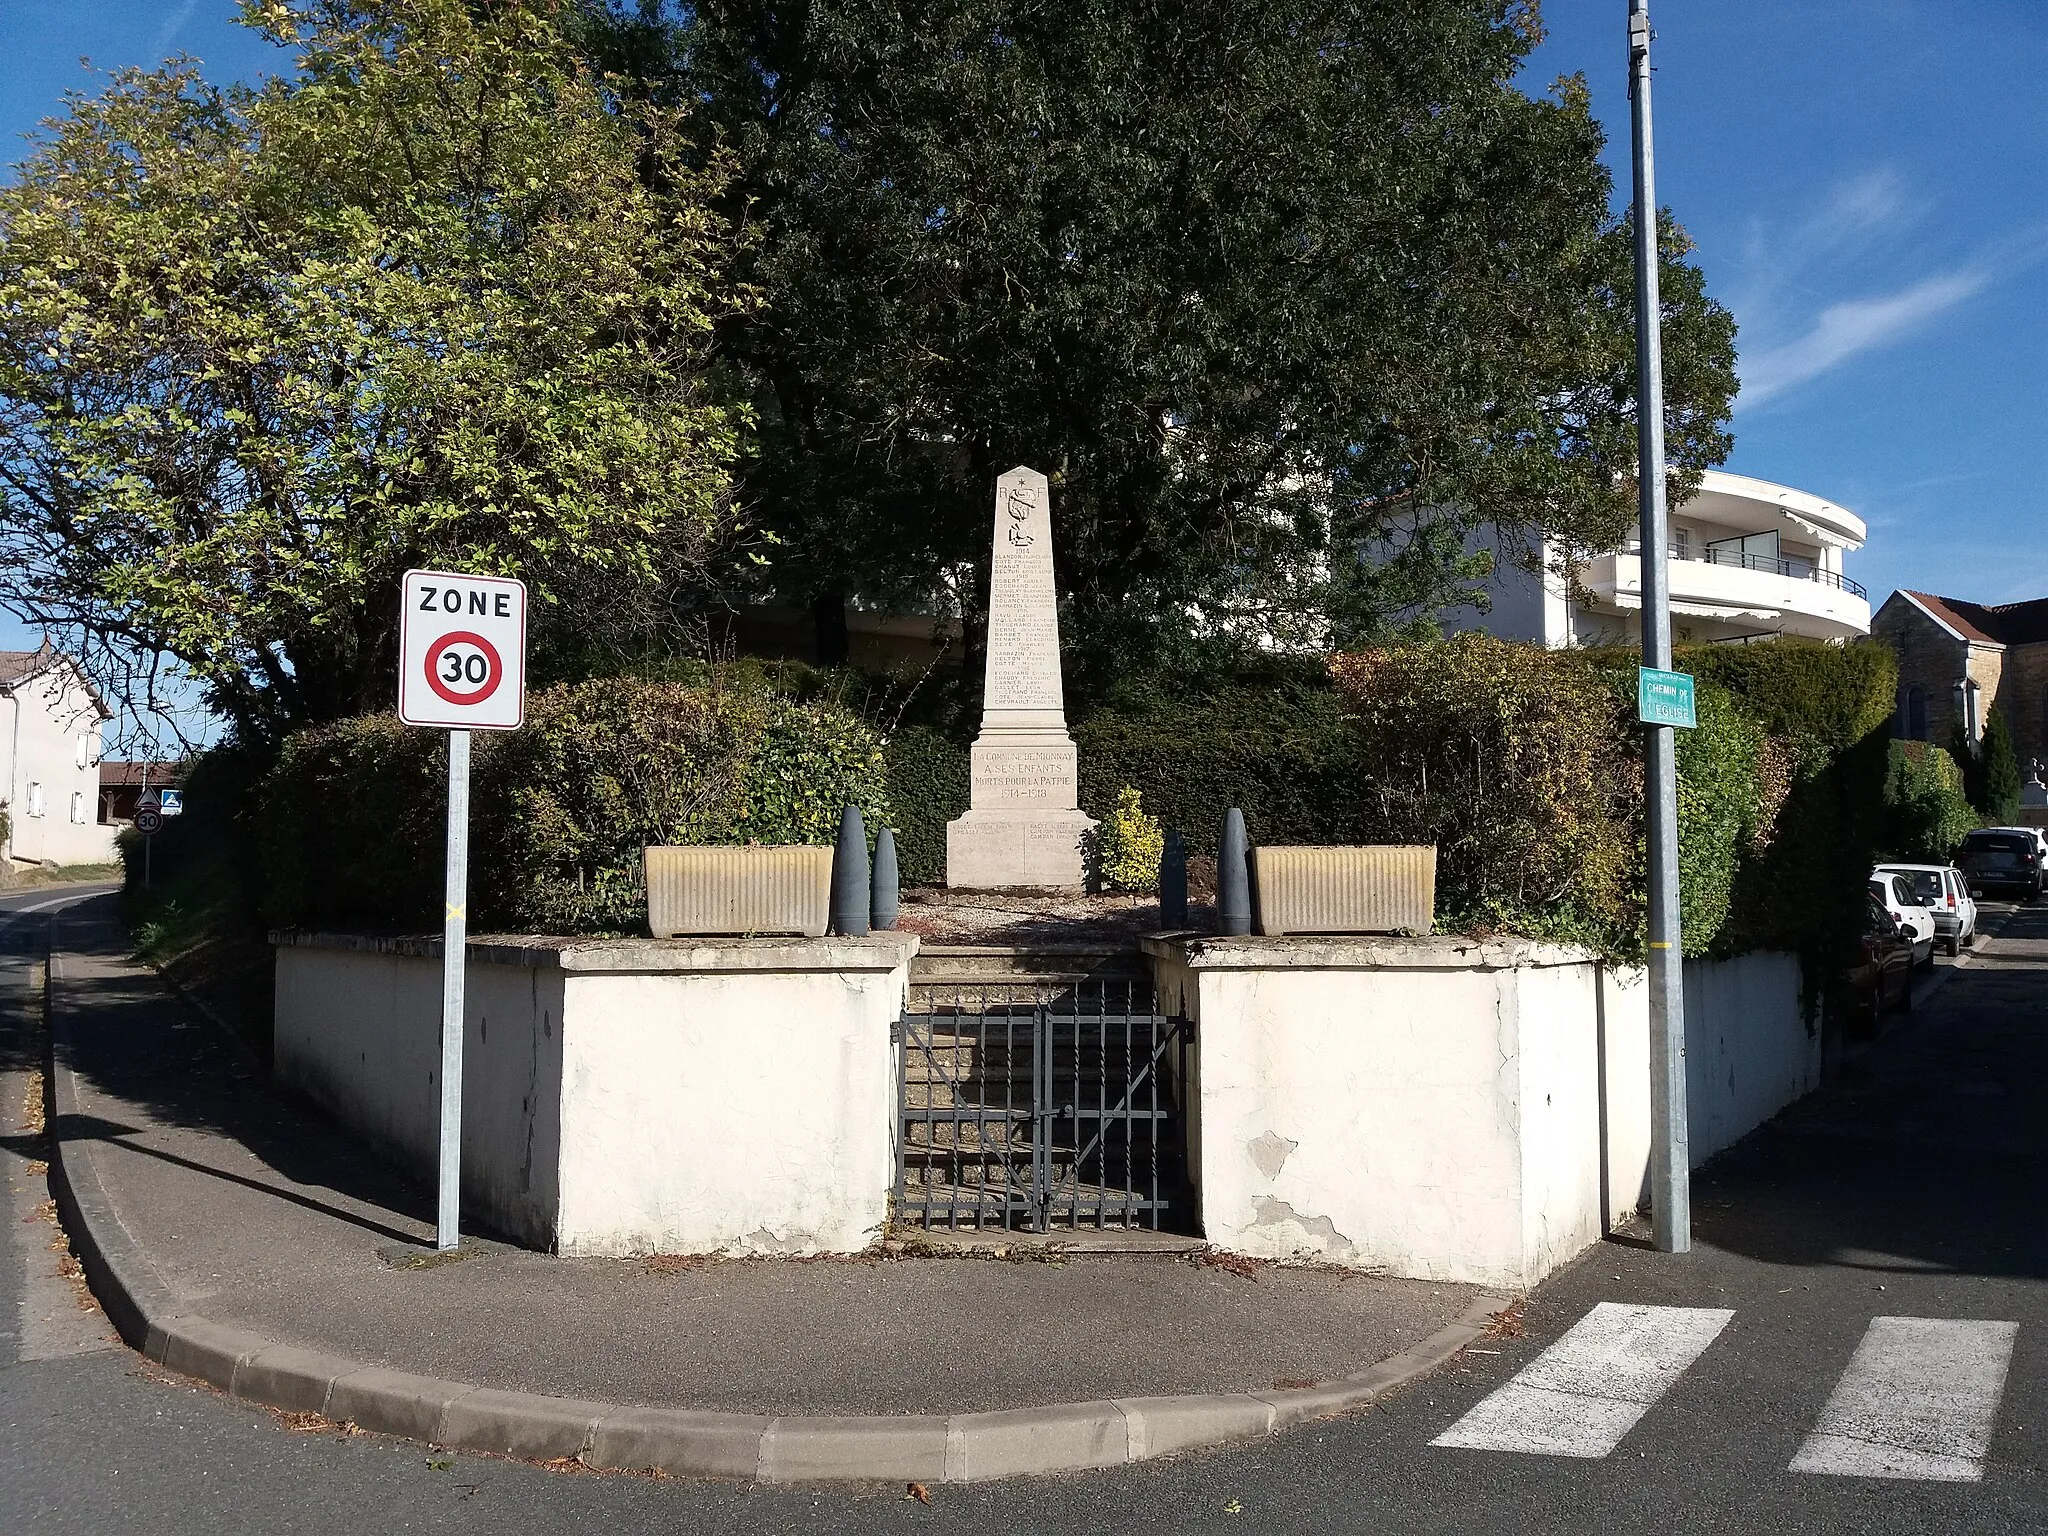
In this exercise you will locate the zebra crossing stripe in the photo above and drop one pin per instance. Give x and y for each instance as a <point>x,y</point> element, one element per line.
<point>1581,1395</point>
<point>1918,1400</point>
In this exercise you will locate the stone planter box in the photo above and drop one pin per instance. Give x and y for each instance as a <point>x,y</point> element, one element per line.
<point>738,890</point>
<point>1382,889</point>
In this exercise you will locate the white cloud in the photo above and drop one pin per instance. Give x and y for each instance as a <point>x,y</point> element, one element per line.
<point>1857,325</point>
<point>173,25</point>
<point>1865,201</point>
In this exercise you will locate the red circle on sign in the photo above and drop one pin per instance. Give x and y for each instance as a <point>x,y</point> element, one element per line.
<point>476,695</point>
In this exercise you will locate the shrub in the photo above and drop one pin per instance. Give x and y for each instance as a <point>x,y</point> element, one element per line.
<point>1285,753</point>
<point>1516,762</point>
<point>928,787</point>
<point>1927,811</point>
<point>1128,845</point>
<point>560,809</point>
<point>1991,772</point>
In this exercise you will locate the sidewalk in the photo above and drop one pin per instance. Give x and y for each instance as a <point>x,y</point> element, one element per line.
<point>243,1239</point>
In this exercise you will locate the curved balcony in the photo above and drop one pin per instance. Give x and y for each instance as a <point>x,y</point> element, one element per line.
<point>1781,565</point>
<point>1750,594</point>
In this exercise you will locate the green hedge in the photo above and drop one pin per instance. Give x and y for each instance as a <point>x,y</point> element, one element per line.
<point>354,813</point>
<point>1522,765</point>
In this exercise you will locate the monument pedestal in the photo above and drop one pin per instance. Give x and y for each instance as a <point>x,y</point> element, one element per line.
<point>1024,827</point>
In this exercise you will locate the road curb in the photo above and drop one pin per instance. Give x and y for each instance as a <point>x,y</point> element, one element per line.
<point>958,1448</point>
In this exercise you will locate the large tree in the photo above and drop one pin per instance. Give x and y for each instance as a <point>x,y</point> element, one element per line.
<point>438,295</point>
<point>1285,294</point>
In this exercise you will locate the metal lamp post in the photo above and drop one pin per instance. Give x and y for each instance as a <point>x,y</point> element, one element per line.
<point>1670,1159</point>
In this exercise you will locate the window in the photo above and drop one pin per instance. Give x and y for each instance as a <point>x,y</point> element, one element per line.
<point>1752,551</point>
<point>35,798</point>
<point>1913,713</point>
<point>83,757</point>
<point>78,805</point>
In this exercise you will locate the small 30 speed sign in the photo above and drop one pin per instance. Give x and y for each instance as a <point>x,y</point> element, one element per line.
<point>462,651</point>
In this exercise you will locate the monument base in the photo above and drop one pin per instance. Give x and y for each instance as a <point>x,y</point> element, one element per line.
<point>990,850</point>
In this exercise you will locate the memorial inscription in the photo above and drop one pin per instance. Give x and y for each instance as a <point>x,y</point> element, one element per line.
<point>1023,826</point>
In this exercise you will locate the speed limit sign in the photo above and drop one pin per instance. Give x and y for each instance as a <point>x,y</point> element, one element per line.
<point>462,651</point>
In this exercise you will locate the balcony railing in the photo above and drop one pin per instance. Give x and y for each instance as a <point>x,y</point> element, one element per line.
<point>1780,565</point>
<point>1774,565</point>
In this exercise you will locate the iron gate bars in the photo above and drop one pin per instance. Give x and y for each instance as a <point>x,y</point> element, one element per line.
<point>1035,1105</point>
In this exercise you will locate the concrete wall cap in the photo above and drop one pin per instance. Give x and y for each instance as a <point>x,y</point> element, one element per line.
<point>658,957</point>
<point>1360,952</point>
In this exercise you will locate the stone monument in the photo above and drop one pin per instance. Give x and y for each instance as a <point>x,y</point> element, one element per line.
<point>1024,826</point>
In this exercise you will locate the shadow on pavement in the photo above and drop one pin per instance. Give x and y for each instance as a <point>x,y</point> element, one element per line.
<point>144,1049</point>
<point>1928,1154</point>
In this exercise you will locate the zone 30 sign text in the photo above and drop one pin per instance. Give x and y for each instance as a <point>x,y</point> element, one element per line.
<point>462,651</point>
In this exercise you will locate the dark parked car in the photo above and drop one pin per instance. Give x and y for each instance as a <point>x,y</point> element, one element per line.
<point>2001,863</point>
<point>1883,974</point>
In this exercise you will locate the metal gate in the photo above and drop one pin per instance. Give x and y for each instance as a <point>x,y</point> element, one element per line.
<point>1041,1105</point>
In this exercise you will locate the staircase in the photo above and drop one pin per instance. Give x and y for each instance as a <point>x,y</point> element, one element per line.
<point>1040,1092</point>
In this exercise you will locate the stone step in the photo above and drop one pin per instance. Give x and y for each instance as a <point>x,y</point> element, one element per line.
<point>1026,964</point>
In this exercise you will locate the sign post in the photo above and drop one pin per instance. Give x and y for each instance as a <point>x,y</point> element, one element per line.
<point>149,820</point>
<point>461,667</point>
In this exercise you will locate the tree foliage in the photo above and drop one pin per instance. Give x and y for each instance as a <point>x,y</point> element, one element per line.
<point>440,296</point>
<point>1991,769</point>
<point>1285,295</point>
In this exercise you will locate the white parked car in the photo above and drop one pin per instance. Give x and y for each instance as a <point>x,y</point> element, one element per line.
<point>1942,889</point>
<point>1908,911</point>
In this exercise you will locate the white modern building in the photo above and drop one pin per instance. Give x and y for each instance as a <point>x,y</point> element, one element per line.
<point>1749,559</point>
<point>50,724</point>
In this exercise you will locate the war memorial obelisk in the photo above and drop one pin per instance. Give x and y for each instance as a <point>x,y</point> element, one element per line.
<point>1024,826</point>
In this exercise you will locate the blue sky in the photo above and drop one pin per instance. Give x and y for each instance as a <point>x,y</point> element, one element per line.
<point>1868,184</point>
<point>1867,181</point>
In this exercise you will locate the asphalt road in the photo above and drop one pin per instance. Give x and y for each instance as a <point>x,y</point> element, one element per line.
<point>1911,1191</point>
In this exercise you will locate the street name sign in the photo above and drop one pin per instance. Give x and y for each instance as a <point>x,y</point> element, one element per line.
<point>1664,698</point>
<point>462,651</point>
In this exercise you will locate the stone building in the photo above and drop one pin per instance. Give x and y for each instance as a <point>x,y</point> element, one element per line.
<point>1958,658</point>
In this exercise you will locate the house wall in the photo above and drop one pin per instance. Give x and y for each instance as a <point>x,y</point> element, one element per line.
<point>51,722</point>
<point>2025,701</point>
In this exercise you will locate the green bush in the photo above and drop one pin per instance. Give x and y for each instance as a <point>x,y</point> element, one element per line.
<point>1285,754</point>
<point>354,813</point>
<point>1991,771</point>
<point>1927,811</point>
<point>928,787</point>
<point>1128,846</point>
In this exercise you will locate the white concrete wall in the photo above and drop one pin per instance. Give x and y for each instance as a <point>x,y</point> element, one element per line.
<point>721,1103</point>
<point>1362,1117</point>
<point>1451,1110</point>
<point>360,1034</point>
<point>728,1113</point>
<point>1525,605</point>
<point>1748,1050</point>
<point>50,723</point>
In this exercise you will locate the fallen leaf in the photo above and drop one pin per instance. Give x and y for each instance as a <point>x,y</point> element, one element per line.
<point>919,1492</point>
